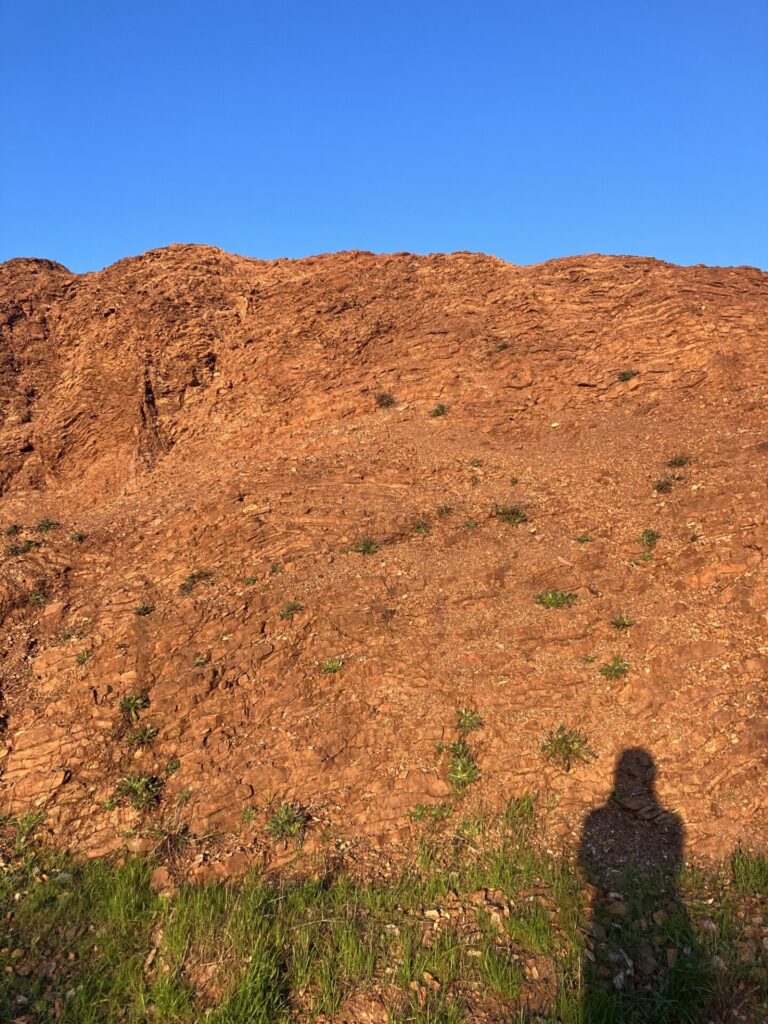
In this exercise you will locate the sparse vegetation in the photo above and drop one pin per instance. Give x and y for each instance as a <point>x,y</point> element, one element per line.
<point>622,622</point>
<point>366,546</point>
<point>555,599</point>
<point>183,797</point>
<point>289,821</point>
<point>78,536</point>
<point>13,530</point>
<point>515,515</point>
<point>385,399</point>
<point>132,705</point>
<point>141,791</point>
<point>289,609</point>
<point>82,657</point>
<point>333,665</point>
<point>750,872</point>
<point>439,410</point>
<point>172,765</point>
<point>198,576</point>
<point>566,747</point>
<point>37,600</point>
<point>471,524</point>
<point>468,721</point>
<point>462,769</point>
<point>250,580</point>
<point>144,609</point>
<point>615,668</point>
<point>444,510</point>
<point>421,527</point>
<point>275,569</point>
<point>200,660</point>
<point>678,461</point>
<point>428,941</point>
<point>649,538</point>
<point>143,736</point>
<point>431,812</point>
<point>664,485</point>
<point>47,524</point>
<point>22,548</point>
<point>625,375</point>
<point>583,538</point>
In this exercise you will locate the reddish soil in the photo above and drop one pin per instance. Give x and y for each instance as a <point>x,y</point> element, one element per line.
<point>192,410</point>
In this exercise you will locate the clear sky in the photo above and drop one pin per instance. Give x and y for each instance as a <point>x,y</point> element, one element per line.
<point>289,127</point>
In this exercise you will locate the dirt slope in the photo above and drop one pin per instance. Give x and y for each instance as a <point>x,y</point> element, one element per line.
<point>191,410</point>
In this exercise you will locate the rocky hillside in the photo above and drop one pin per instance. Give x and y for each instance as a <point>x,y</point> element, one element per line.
<point>270,527</point>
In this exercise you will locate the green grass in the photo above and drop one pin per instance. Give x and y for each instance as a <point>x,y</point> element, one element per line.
<point>22,548</point>
<point>431,812</point>
<point>144,609</point>
<point>445,941</point>
<point>172,765</point>
<point>82,657</point>
<point>439,410</point>
<point>275,569</point>
<point>78,536</point>
<point>421,526</point>
<point>555,599</point>
<point>625,375</point>
<point>289,609</point>
<point>37,600</point>
<point>750,872</point>
<point>333,665</point>
<point>566,747</point>
<point>583,538</point>
<point>615,668</point>
<point>200,660</point>
<point>250,580</point>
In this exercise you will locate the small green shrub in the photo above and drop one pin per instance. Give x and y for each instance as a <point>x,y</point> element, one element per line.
<point>622,622</point>
<point>172,766</point>
<point>366,546</point>
<point>289,609</point>
<point>143,736</point>
<point>201,659</point>
<point>626,375</point>
<point>385,399</point>
<point>615,669</point>
<point>664,485</point>
<point>47,524</point>
<point>132,704</point>
<point>649,538</point>
<point>566,747</point>
<point>37,600</point>
<point>250,580</point>
<point>141,791</point>
<point>82,656</point>
<point>144,609</point>
<point>288,821</point>
<point>421,527</point>
<point>555,599</point>
<point>439,410</point>
<point>78,537</point>
<point>333,665</point>
<point>275,569</point>
<point>15,550</point>
<point>468,721</point>
<point>462,770</point>
<point>583,538</point>
<point>515,515</point>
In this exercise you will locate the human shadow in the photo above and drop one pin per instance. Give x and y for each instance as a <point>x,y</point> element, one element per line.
<point>641,962</point>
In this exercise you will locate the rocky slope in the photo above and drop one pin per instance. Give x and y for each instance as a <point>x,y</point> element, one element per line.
<point>205,432</point>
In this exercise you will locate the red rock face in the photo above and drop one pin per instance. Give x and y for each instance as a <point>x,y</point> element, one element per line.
<point>190,410</point>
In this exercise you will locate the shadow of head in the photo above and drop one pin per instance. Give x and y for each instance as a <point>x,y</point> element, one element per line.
<point>634,779</point>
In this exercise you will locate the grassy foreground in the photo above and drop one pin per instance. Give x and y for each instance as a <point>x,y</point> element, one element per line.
<point>502,933</point>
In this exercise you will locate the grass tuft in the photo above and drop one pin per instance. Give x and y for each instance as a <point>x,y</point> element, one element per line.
<point>566,747</point>
<point>555,599</point>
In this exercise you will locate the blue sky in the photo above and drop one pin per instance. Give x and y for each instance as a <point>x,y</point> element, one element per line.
<point>278,128</point>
